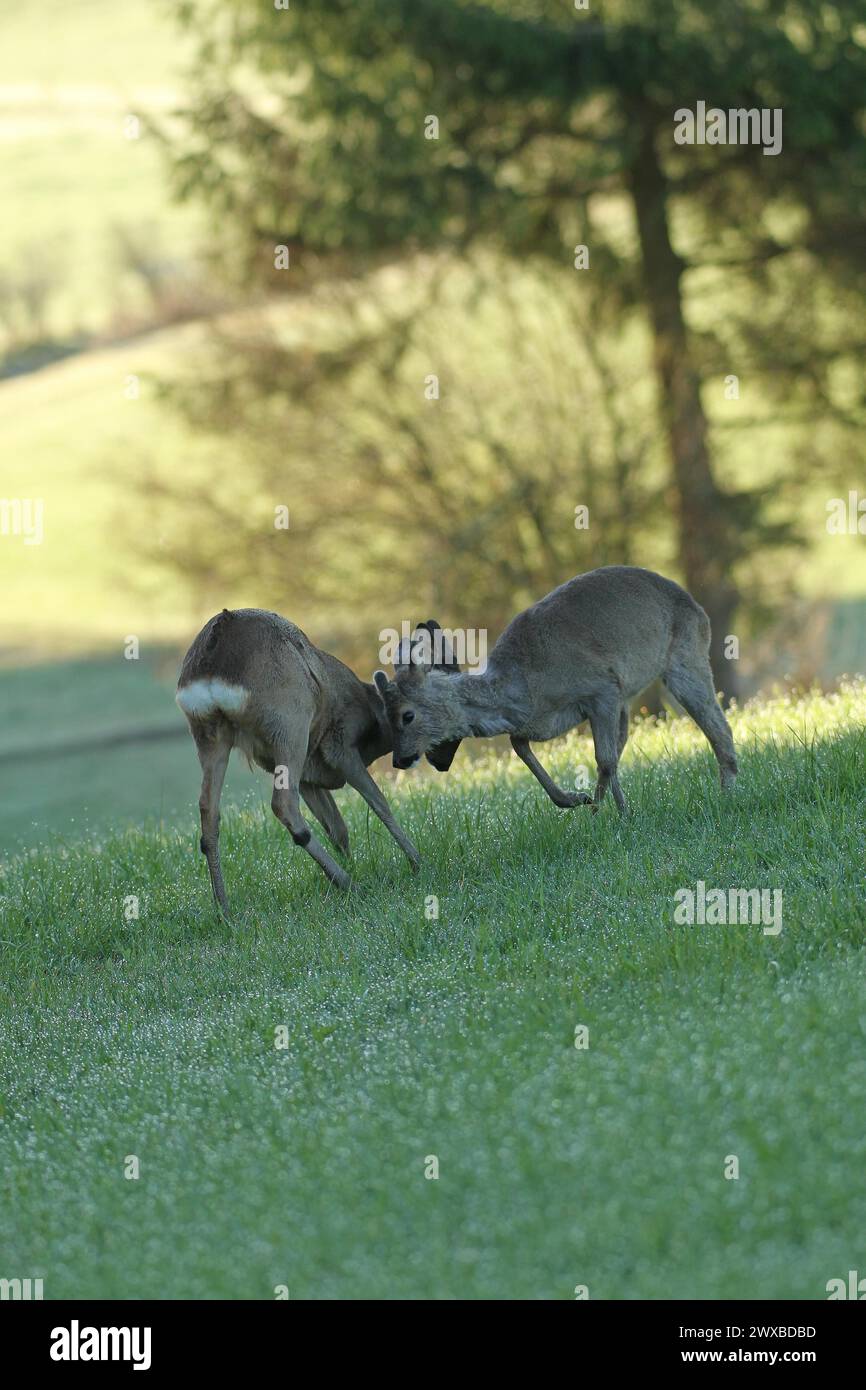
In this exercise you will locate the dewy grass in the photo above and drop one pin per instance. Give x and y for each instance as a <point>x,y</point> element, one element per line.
<point>514,1075</point>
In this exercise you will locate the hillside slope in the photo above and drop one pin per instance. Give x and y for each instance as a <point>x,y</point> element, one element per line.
<point>411,1037</point>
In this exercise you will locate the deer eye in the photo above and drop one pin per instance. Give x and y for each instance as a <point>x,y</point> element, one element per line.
<point>408,716</point>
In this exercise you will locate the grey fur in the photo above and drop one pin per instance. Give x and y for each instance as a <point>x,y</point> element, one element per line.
<point>582,652</point>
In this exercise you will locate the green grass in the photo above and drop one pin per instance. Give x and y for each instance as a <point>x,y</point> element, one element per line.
<point>66,161</point>
<point>64,795</point>
<point>92,41</point>
<point>93,185</point>
<point>69,436</point>
<point>454,1037</point>
<point>72,439</point>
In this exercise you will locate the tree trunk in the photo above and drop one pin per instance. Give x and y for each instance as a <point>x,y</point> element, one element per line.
<point>707,544</point>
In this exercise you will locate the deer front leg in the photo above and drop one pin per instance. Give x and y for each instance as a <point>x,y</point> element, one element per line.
<point>358,777</point>
<point>558,795</point>
<point>286,808</point>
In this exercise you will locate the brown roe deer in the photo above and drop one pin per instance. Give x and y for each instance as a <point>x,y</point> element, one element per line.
<point>253,680</point>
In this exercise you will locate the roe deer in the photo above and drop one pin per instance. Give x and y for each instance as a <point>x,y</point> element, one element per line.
<point>253,680</point>
<point>580,653</point>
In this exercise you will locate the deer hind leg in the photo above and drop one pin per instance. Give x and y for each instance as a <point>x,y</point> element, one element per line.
<point>558,795</point>
<point>691,682</point>
<point>606,725</point>
<point>288,762</point>
<point>622,732</point>
<point>213,743</point>
<point>324,808</point>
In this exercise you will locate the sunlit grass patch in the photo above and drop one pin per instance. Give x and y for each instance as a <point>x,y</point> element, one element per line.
<point>436,1015</point>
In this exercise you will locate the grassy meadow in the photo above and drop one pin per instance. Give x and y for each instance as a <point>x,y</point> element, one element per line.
<point>69,170</point>
<point>134,1023</point>
<point>412,1037</point>
<point>73,439</point>
<point>71,764</point>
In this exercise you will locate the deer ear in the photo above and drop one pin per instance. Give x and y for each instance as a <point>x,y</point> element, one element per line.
<point>421,646</point>
<point>380,680</point>
<point>406,655</point>
<point>442,648</point>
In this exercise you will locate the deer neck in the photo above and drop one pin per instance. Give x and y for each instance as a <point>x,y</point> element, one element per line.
<point>377,738</point>
<point>484,705</point>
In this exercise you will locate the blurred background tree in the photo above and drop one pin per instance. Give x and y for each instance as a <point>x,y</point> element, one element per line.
<point>406,490</point>
<point>309,128</point>
<point>432,389</point>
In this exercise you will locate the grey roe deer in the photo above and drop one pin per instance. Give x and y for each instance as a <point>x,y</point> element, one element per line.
<point>582,652</point>
<point>253,680</point>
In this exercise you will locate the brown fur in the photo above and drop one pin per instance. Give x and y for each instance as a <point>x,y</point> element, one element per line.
<point>304,712</point>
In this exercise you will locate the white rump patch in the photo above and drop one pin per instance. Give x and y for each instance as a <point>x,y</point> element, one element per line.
<point>201,698</point>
